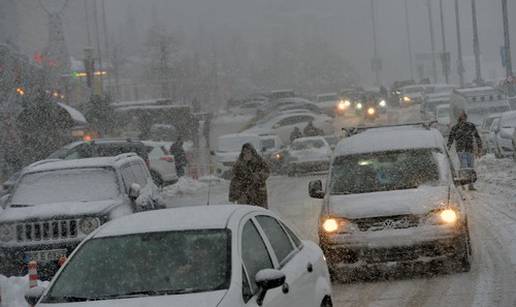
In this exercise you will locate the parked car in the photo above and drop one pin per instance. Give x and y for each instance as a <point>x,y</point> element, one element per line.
<point>392,200</point>
<point>162,164</point>
<point>284,125</point>
<point>228,150</point>
<point>503,135</point>
<point>309,155</point>
<point>270,144</point>
<point>55,204</point>
<point>328,102</point>
<point>485,129</point>
<point>431,102</point>
<point>225,256</point>
<point>413,94</point>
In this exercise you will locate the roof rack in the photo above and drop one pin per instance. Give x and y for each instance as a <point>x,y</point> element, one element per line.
<point>355,130</point>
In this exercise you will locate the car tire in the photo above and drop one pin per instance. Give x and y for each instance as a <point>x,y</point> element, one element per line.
<point>327,302</point>
<point>156,177</point>
<point>463,256</point>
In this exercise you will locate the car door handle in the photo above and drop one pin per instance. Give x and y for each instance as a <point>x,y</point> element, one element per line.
<point>309,267</point>
<point>285,288</point>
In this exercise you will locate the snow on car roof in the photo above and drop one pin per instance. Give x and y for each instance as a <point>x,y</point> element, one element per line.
<point>309,138</point>
<point>390,138</point>
<point>238,135</point>
<point>56,164</point>
<point>193,217</point>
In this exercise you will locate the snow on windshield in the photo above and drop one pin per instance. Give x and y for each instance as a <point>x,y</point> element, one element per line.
<point>307,144</point>
<point>74,185</point>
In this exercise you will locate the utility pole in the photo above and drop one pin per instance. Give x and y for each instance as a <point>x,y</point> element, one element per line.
<point>106,44</point>
<point>409,41</point>
<point>97,38</point>
<point>376,64</point>
<point>444,57</point>
<point>476,44</point>
<point>460,63</point>
<point>507,42</point>
<point>432,39</point>
<point>87,20</point>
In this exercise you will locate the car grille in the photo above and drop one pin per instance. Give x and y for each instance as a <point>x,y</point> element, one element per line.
<point>387,222</point>
<point>47,230</point>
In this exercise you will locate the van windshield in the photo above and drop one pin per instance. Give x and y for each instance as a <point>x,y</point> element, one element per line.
<point>383,171</point>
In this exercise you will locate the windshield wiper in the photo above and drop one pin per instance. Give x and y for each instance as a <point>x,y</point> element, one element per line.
<point>53,299</point>
<point>147,293</point>
<point>20,205</point>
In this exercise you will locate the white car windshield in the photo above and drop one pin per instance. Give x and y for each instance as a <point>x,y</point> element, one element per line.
<point>308,144</point>
<point>146,264</point>
<point>80,184</point>
<point>383,171</point>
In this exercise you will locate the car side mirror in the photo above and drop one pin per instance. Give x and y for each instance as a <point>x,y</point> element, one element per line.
<point>266,280</point>
<point>3,201</point>
<point>465,176</point>
<point>315,189</point>
<point>134,191</point>
<point>32,295</point>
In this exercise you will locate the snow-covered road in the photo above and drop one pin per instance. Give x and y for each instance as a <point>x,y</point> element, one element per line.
<point>492,219</point>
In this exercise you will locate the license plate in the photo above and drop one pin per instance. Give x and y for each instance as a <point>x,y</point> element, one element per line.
<point>45,256</point>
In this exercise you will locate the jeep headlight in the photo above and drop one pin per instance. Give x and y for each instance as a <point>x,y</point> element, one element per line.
<point>359,106</point>
<point>383,103</point>
<point>447,216</point>
<point>88,224</point>
<point>7,232</point>
<point>407,99</point>
<point>332,225</point>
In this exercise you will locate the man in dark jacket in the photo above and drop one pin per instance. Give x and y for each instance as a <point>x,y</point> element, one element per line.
<point>464,134</point>
<point>179,156</point>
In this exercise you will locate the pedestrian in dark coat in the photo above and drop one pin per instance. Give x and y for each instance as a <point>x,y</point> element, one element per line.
<point>248,184</point>
<point>465,134</point>
<point>179,154</point>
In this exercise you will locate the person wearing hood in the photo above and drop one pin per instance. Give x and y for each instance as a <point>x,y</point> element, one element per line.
<point>250,173</point>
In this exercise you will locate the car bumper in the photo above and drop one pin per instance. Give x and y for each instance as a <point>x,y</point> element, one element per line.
<point>13,261</point>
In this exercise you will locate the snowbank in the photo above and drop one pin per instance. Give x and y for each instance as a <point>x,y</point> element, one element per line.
<point>185,185</point>
<point>12,290</point>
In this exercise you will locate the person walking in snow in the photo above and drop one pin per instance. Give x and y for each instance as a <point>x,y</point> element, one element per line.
<point>465,134</point>
<point>248,184</point>
<point>179,154</point>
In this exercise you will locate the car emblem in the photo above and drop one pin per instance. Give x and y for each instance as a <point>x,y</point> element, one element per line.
<point>388,224</point>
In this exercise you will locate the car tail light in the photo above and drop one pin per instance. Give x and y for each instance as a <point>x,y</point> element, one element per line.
<point>167,158</point>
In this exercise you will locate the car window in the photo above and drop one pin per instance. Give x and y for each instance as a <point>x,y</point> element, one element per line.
<point>254,253</point>
<point>277,237</point>
<point>128,176</point>
<point>79,152</point>
<point>140,173</point>
<point>293,236</point>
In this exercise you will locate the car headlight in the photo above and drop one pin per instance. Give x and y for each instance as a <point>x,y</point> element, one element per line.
<point>341,105</point>
<point>442,217</point>
<point>382,103</point>
<point>337,225</point>
<point>278,156</point>
<point>7,233</point>
<point>359,106</point>
<point>88,224</point>
<point>371,111</point>
<point>407,99</point>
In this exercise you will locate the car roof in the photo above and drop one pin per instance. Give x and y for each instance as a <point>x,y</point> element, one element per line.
<point>238,135</point>
<point>98,162</point>
<point>389,139</point>
<point>309,138</point>
<point>176,219</point>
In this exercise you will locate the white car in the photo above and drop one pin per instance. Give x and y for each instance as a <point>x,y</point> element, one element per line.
<point>308,155</point>
<point>328,102</point>
<point>485,130</point>
<point>283,125</point>
<point>162,165</point>
<point>503,145</point>
<point>219,255</point>
<point>229,147</point>
<point>392,201</point>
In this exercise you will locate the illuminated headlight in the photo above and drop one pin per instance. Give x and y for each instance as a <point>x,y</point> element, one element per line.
<point>336,225</point>
<point>342,105</point>
<point>7,233</point>
<point>277,156</point>
<point>382,103</point>
<point>407,99</point>
<point>359,106</point>
<point>88,224</point>
<point>371,111</point>
<point>442,217</point>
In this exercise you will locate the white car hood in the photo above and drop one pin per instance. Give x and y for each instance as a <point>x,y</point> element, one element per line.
<point>413,201</point>
<point>48,211</point>
<point>310,155</point>
<point>204,299</point>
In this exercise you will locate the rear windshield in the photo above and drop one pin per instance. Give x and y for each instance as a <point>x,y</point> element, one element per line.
<point>146,264</point>
<point>383,171</point>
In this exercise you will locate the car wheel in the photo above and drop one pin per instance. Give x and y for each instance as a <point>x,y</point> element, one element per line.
<point>463,255</point>
<point>156,178</point>
<point>327,302</point>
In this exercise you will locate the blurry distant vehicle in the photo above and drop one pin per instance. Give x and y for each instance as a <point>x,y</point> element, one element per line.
<point>278,94</point>
<point>228,150</point>
<point>328,102</point>
<point>308,106</point>
<point>442,116</point>
<point>162,163</point>
<point>395,91</point>
<point>224,256</point>
<point>431,102</point>
<point>162,132</point>
<point>504,135</point>
<point>248,108</point>
<point>283,125</point>
<point>55,204</point>
<point>413,94</point>
<point>273,151</point>
<point>485,129</point>
<point>308,155</point>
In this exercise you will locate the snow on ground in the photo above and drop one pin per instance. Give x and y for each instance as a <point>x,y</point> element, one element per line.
<point>190,192</point>
<point>12,291</point>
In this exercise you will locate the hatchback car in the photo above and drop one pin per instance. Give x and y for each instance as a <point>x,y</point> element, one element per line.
<point>392,200</point>
<point>219,255</point>
<point>309,155</point>
<point>55,204</point>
